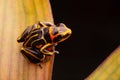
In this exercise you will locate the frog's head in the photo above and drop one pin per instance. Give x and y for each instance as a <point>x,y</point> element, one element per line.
<point>59,33</point>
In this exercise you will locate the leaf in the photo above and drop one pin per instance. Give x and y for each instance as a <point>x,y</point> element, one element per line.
<point>15,16</point>
<point>109,69</point>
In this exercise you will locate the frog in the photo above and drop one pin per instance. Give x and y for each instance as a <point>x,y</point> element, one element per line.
<point>39,40</point>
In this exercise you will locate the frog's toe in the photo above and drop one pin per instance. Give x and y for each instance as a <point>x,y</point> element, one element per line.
<point>57,52</point>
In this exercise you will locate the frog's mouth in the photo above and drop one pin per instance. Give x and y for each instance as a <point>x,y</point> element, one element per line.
<point>61,38</point>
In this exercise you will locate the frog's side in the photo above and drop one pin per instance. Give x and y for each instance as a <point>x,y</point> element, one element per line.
<point>39,40</point>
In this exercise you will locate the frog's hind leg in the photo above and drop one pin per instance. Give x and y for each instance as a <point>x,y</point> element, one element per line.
<point>22,37</point>
<point>32,55</point>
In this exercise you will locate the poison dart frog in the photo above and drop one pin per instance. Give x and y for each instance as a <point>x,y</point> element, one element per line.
<point>39,40</point>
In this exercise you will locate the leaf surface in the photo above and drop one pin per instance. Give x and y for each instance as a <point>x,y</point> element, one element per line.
<point>15,16</point>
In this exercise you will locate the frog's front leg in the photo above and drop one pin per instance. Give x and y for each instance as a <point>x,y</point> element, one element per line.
<point>33,55</point>
<point>49,49</point>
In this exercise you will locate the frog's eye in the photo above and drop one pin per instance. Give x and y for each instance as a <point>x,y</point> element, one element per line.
<point>60,25</point>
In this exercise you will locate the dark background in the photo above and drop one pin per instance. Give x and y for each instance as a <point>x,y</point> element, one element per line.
<point>96,33</point>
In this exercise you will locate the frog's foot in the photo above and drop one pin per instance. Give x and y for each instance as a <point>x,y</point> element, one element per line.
<point>46,52</point>
<point>32,55</point>
<point>57,52</point>
<point>40,65</point>
<point>51,53</point>
<point>55,44</point>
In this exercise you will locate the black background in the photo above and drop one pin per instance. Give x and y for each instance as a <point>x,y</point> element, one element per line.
<point>96,33</point>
